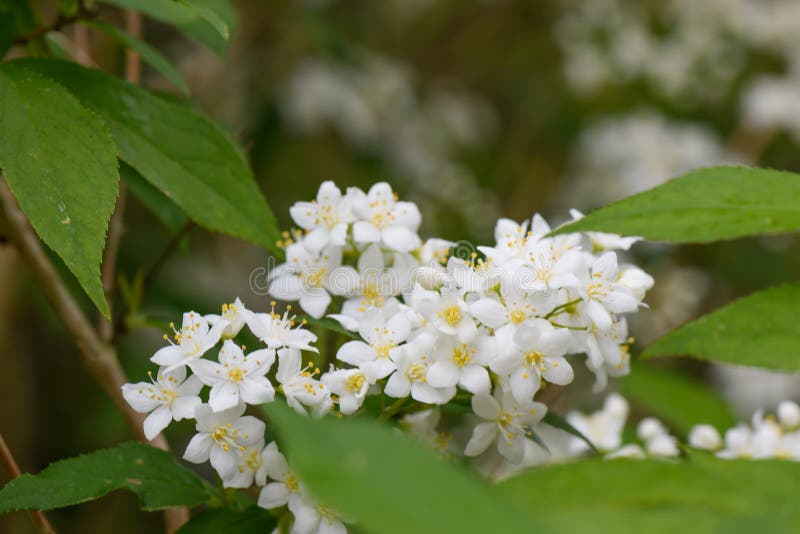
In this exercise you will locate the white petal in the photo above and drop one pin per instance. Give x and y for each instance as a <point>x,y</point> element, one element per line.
<point>184,407</point>
<point>273,495</point>
<point>223,397</point>
<point>316,239</point>
<point>168,356</point>
<point>208,372</point>
<point>198,449</point>
<point>224,462</point>
<point>398,386</point>
<point>138,397</point>
<point>366,232</point>
<point>489,312</point>
<point>482,437</point>
<point>400,238</point>
<point>486,407</point>
<point>524,384</point>
<point>443,374</point>
<point>256,390</point>
<point>315,302</point>
<point>157,421</point>
<point>558,371</point>
<point>355,352</point>
<point>513,449</point>
<point>430,395</point>
<point>475,379</point>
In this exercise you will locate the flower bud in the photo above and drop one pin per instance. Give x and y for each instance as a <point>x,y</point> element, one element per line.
<point>662,445</point>
<point>650,428</point>
<point>789,414</point>
<point>705,437</point>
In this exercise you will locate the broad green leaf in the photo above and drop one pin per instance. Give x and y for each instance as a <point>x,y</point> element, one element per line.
<point>58,159</point>
<point>149,54</point>
<point>16,18</point>
<point>761,330</point>
<point>210,22</point>
<point>253,520</point>
<point>154,475</point>
<point>386,482</point>
<point>678,400</point>
<point>704,205</point>
<point>186,156</point>
<point>703,494</point>
<point>164,209</point>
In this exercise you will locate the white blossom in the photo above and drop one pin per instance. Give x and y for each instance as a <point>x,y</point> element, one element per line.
<point>170,396</point>
<point>326,219</point>
<point>190,343</point>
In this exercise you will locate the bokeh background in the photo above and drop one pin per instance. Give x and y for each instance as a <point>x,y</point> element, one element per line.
<point>474,109</point>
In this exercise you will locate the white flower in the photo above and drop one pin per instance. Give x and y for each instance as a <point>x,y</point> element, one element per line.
<point>284,483</point>
<point>650,428</point>
<point>462,364</point>
<point>603,428</point>
<point>350,385</point>
<point>192,341</point>
<point>705,437</point>
<point>535,351</point>
<point>603,241</point>
<point>448,312</point>
<point>171,396</point>
<point>381,337</point>
<point>513,306</point>
<point>603,293</point>
<point>382,219</point>
<point>222,437</point>
<point>550,267</point>
<point>299,385</point>
<point>789,414</point>
<point>662,445</point>
<point>251,467</point>
<point>738,443</point>
<point>237,378</point>
<point>325,219</point>
<point>278,331</point>
<point>423,426</point>
<point>314,519</point>
<point>234,314</point>
<point>372,285</point>
<point>412,361</point>
<point>507,423</point>
<point>305,277</point>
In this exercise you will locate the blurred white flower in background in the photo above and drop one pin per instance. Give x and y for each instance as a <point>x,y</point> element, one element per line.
<point>375,105</point>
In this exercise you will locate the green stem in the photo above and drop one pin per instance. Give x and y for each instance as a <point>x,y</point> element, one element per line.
<point>392,409</point>
<point>561,307</point>
<point>568,327</point>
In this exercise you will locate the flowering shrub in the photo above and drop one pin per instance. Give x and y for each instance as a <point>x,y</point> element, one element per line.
<point>390,383</point>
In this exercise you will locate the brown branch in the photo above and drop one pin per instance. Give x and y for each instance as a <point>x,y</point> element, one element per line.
<point>37,516</point>
<point>99,358</point>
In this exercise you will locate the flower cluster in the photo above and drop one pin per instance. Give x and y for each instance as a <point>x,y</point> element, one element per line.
<point>765,437</point>
<point>488,330</point>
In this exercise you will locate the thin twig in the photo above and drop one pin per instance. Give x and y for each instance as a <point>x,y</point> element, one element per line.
<point>116,226</point>
<point>37,516</point>
<point>99,358</point>
<point>166,253</point>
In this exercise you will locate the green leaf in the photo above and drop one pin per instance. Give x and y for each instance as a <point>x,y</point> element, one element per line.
<point>16,18</point>
<point>760,330</point>
<point>253,520</point>
<point>164,209</point>
<point>183,154</point>
<point>154,475</point>
<point>552,419</point>
<point>210,22</point>
<point>149,54</point>
<point>386,482</point>
<point>58,159</point>
<point>704,205</point>
<point>703,494</point>
<point>678,400</point>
